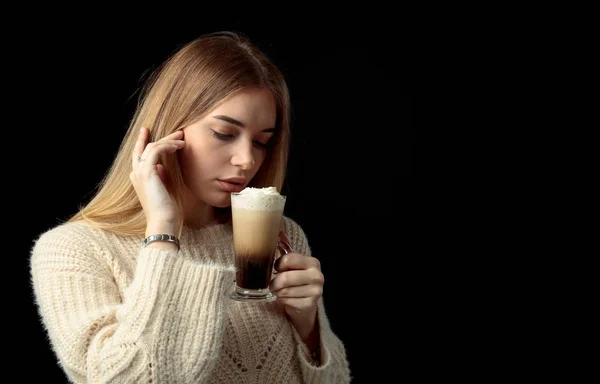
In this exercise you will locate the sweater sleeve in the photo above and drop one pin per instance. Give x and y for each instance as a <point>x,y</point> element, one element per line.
<point>165,327</point>
<point>334,367</point>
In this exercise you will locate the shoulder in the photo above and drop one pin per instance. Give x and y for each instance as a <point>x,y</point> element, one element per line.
<point>71,237</point>
<point>66,234</point>
<point>296,235</point>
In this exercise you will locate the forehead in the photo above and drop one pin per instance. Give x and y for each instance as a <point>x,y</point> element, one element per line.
<point>250,105</point>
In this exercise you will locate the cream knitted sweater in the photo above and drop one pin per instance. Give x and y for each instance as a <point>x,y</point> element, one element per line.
<point>118,313</point>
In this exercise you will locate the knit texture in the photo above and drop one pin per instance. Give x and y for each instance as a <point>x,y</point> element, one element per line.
<point>115,312</point>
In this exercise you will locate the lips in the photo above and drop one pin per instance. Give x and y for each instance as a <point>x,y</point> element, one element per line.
<point>233,185</point>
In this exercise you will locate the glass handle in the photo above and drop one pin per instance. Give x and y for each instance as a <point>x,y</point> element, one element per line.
<point>283,244</point>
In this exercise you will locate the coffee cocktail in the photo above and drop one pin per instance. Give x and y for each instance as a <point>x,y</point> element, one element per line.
<point>256,215</point>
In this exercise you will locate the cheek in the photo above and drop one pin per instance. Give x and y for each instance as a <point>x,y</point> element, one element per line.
<point>260,157</point>
<point>196,159</point>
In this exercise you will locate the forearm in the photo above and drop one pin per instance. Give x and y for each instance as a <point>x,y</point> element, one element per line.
<point>109,337</point>
<point>186,312</point>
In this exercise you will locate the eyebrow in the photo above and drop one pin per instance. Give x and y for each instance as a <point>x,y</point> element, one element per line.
<point>238,123</point>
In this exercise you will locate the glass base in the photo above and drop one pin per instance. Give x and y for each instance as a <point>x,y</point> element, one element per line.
<point>255,295</point>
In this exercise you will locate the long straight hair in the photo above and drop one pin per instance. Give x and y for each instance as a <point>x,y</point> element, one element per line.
<point>188,85</point>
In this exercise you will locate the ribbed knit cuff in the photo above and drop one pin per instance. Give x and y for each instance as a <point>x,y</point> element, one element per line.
<point>312,373</point>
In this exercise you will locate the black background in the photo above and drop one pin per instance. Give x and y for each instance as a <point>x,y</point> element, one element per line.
<point>349,173</point>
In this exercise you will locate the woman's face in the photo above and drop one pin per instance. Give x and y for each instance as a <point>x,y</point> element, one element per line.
<point>224,150</point>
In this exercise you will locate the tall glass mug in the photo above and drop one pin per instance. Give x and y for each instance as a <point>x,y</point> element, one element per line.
<point>256,216</point>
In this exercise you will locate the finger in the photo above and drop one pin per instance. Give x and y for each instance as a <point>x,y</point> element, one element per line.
<point>140,144</point>
<point>294,260</point>
<point>296,279</point>
<point>153,151</point>
<point>300,304</point>
<point>307,290</point>
<point>177,135</point>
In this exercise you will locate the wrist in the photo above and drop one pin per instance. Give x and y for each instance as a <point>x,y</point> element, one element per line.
<point>315,355</point>
<point>305,325</point>
<point>308,330</point>
<point>162,241</point>
<point>161,227</point>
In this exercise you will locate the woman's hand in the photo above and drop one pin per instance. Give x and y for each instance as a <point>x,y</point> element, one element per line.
<point>298,286</point>
<point>149,179</point>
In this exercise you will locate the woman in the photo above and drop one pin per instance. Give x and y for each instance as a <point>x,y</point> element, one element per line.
<point>121,307</point>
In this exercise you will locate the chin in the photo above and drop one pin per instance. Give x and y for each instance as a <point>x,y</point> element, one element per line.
<point>222,200</point>
<point>222,204</point>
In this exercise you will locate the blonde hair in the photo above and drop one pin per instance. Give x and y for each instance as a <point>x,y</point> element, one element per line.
<point>182,90</point>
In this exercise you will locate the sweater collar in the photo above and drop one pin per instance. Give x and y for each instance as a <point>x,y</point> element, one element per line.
<point>210,234</point>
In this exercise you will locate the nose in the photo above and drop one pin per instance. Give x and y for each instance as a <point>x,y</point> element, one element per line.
<point>242,156</point>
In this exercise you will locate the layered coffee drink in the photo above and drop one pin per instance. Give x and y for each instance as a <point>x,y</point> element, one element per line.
<point>256,216</point>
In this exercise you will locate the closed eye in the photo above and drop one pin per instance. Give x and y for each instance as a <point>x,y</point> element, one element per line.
<point>260,144</point>
<point>228,137</point>
<point>221,136</point>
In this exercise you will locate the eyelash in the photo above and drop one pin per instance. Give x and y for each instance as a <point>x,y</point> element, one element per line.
<point>226,137</point>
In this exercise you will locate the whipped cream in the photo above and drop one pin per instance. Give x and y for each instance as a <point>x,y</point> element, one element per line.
<point>259,191</point>
<point>264,199</point>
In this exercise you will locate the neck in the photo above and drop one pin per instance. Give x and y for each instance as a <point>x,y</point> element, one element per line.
<point>197,213</point>
<point>200,219</point>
